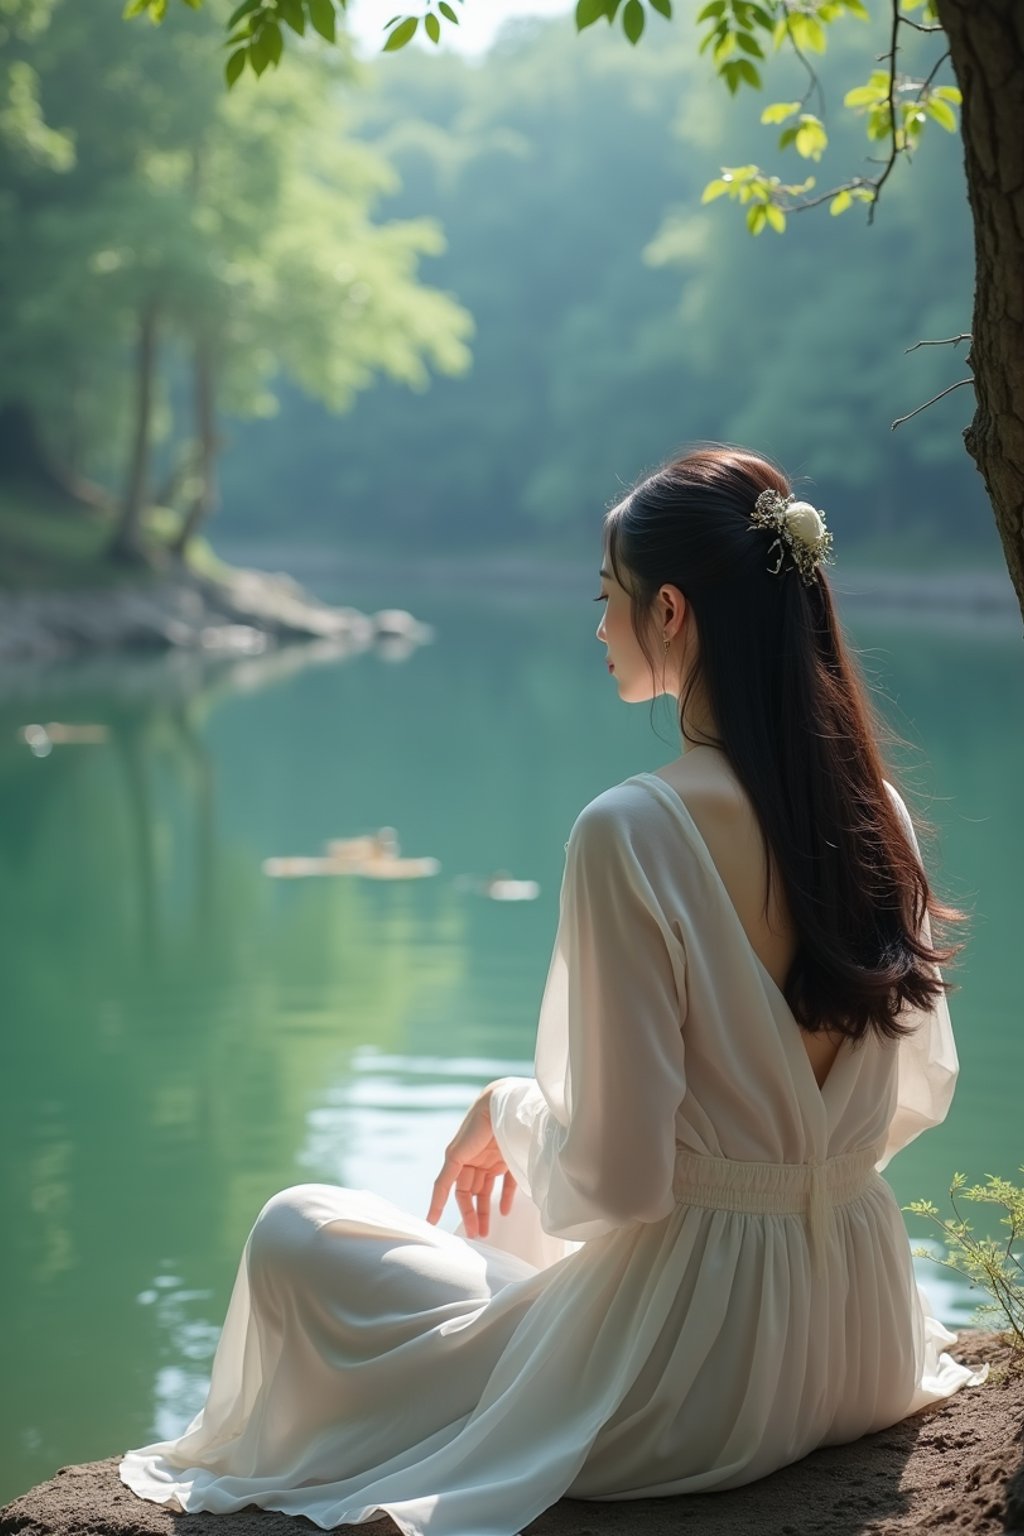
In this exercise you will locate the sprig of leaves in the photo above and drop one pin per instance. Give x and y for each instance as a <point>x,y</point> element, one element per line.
<point>896,107</point>
<point>766,198</point>
<point>995,1267</point>
<point>881,93</point>
<point>632,13</point>
<point>401,29</point>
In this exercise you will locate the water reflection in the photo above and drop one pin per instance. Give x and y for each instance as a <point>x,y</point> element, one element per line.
<point>185,1036</point>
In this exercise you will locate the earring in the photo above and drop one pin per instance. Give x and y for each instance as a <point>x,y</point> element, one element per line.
<point>668,642</point>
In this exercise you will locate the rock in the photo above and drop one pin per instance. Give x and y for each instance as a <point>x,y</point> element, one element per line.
<point>241,614</point>
<point>955,1467</point>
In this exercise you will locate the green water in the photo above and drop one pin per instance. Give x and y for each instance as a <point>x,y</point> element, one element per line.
<point>183,1036</point>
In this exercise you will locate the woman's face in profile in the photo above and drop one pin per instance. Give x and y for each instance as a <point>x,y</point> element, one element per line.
<point>626,661</point>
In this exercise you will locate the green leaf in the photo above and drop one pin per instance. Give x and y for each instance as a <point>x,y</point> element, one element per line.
<point>725,47</point>
<point>633,19</point>
<point>747,72</point>
<point>856,8</point>
<point>779,111</point>
<point>712,11</point>
<point>663,7</point>
<point>776,218</point>
<point>274,41</point>
<point>840,203</point>
<point>243,10</point>
<point>757,216</point>
<point>259,52</point>
<point>863,96</point>
<point>402,34</point>
<point>447,12</point>
<point>951,93</point>
<point>716,188</point>
<point>811,140</point>
<point>588,12</point>
<point>788,137</point>
<point>134,8</point>
<point>432,27</point>
<point>815,34</point>
<point>321,14</point>
<point>291,12</point>
<point>750,44</point>
<point>942,113</point>
<point>234,66</point>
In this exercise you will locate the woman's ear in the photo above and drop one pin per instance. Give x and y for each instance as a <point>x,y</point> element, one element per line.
<point>672,608</point>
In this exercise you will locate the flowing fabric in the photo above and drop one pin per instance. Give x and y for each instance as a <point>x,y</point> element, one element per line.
<point>703,1276</point>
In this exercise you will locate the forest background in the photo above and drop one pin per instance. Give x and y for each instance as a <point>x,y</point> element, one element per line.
<point>454,304</point>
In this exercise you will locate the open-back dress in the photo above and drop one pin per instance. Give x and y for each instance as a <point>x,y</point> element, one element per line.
<point>703,1276</point>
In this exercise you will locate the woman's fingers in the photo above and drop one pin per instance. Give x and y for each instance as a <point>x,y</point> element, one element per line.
<point>483,1205</point>
<point>464,1201</point>
<point>443,1188</point>
<point>508,1189</point>
<point>472,1181</point>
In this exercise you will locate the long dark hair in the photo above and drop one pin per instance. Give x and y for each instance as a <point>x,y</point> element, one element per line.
<point>799,729</point>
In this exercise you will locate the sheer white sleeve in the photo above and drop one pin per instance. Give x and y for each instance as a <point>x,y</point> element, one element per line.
<point>591,1138</point>
<point>927,1063</point>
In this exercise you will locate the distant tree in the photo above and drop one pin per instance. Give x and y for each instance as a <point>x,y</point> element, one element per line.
<point>984,42</point>
<point>224,241</point>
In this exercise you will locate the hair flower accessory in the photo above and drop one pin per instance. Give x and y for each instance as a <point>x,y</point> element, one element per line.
<point>798,528</point>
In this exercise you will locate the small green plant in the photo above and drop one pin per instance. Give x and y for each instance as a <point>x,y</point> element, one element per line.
<point>996,1266</point>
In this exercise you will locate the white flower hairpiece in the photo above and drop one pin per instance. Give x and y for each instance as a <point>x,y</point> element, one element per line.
<point>798,528</point>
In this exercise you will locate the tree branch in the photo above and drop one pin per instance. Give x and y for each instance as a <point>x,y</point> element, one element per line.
<point>933,72</point>
<point>894,151</point>
<point>815,83</point>
<point>946,341</point>
<point>940,396</point>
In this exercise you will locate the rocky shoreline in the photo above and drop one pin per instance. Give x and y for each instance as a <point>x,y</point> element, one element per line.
<point>958,1467</point>
<point>247,612</point>
<point>242,614</point>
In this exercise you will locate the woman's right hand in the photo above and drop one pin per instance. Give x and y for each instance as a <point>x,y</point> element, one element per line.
<point>472,1162</point>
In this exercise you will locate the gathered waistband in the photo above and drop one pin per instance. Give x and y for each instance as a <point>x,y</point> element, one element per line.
<point>780,1189</point>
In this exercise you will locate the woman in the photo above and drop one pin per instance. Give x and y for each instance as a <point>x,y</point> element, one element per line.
<point>695,1274</point>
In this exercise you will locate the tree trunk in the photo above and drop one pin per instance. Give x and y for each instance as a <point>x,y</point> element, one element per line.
<point>205,500</point>
<point>127,543</point>
<point>986,40</point>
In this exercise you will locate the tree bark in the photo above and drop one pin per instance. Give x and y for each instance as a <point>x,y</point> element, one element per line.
<point>986,40</point>
<point>204,502</point>
<point>127,543</point>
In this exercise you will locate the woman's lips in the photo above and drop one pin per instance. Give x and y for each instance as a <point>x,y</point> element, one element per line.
<point>611,667</point>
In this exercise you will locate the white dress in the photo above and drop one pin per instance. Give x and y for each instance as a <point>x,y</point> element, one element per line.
<point>703,1276</point>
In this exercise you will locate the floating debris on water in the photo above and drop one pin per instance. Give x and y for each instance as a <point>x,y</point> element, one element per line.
<point>41,739</point>
<point>398,869</point>
<point>500,887</point>
<point>374,856</point>
<point>301,868</point>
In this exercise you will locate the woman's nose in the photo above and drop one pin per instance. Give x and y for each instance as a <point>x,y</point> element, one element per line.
<point>600,628</point>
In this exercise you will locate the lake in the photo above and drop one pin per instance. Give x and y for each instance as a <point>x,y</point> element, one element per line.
<point>184,1035</point>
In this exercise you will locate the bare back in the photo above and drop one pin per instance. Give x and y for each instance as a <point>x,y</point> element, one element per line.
<point>726,820</point>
